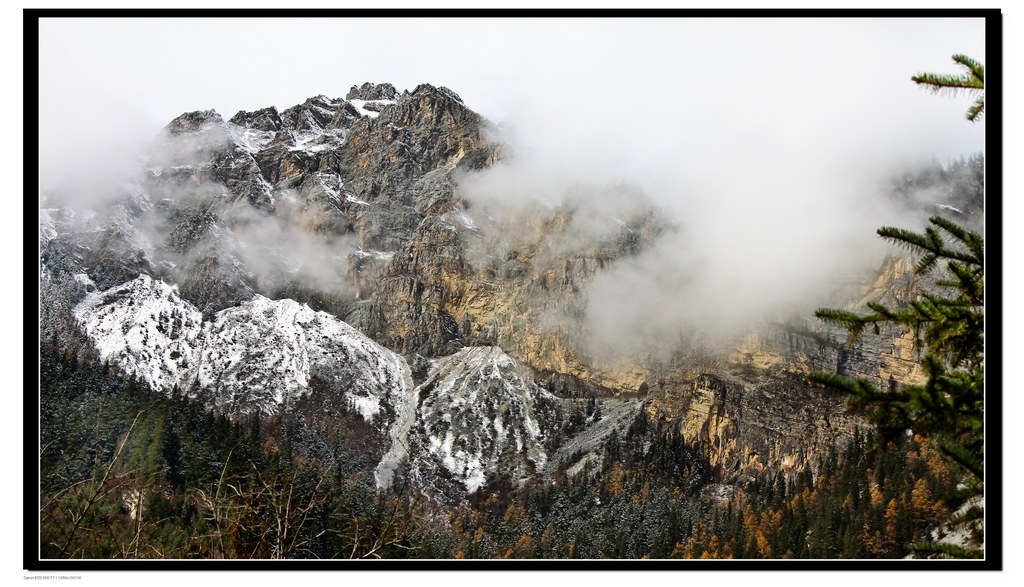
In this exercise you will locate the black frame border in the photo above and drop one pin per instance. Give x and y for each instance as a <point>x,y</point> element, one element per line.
<point>993,560</point>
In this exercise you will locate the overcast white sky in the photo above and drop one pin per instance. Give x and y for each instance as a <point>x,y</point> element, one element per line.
<point>161,67</point>
<point>107,81</point>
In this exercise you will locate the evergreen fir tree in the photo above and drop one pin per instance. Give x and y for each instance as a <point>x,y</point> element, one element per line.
<point>949,406</point>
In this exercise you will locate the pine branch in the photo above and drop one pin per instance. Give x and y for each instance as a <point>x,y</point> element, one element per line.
<point>929,243</point>
<point>973,488</point>
<point>834,381</point>
<point>963,457</point>
<point>969,281</point>
<point>926,263</point>
<point>971,81</point>
<point>971,514</point>
<point>946,550</point>
<point>974,242</point>
<point>912,241</point>
<point>882,312</point>
<point>851,322</point>
<point>977,110</point>
<point>954,229</point>
<point>940,82</point>
<point>976,68</point>
<point>949,407</point>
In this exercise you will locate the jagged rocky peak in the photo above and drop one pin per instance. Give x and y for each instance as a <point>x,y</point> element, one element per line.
<point>266,119</point>
<point>319,113</point>
<point>441,90</point>
<point>194,139</point>
<point>422,131</point>
<point>329,166</point>
<point>430,106</point>
<point>373,92</point>
<point>450,94</point>
<point>424,90</point>
<point>194,122</point>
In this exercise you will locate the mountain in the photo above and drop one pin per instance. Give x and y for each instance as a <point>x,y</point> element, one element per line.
<point>325,255</point>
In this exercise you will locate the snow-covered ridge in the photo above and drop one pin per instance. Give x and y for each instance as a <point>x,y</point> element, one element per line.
<point>478,419</point>
<point>251,357</point>
<point>477,416</point>
<point>144,328</point>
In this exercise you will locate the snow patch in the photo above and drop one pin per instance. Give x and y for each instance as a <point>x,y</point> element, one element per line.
<point>368,407</point>
<point>474,403</point>
<point>85,280</point>
<point>317,140</point>
<point>364,111</point>
<point>251,140</point>
<point>349,197</point>
<point>948,207</point>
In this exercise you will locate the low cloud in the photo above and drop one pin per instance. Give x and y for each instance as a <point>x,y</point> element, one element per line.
<point>772,172</point>
<point>280,250</point>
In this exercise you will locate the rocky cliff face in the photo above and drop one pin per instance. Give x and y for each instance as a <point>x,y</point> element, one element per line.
<point>454,285</point>
<point>756,412</point>
<point>748,426</point>
<point>311,253</point>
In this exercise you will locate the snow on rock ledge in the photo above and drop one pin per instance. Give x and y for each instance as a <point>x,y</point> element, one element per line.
<point>264,352</point>
<point>144,328</point>
<point>480,417</point>
<point>249,358</point>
